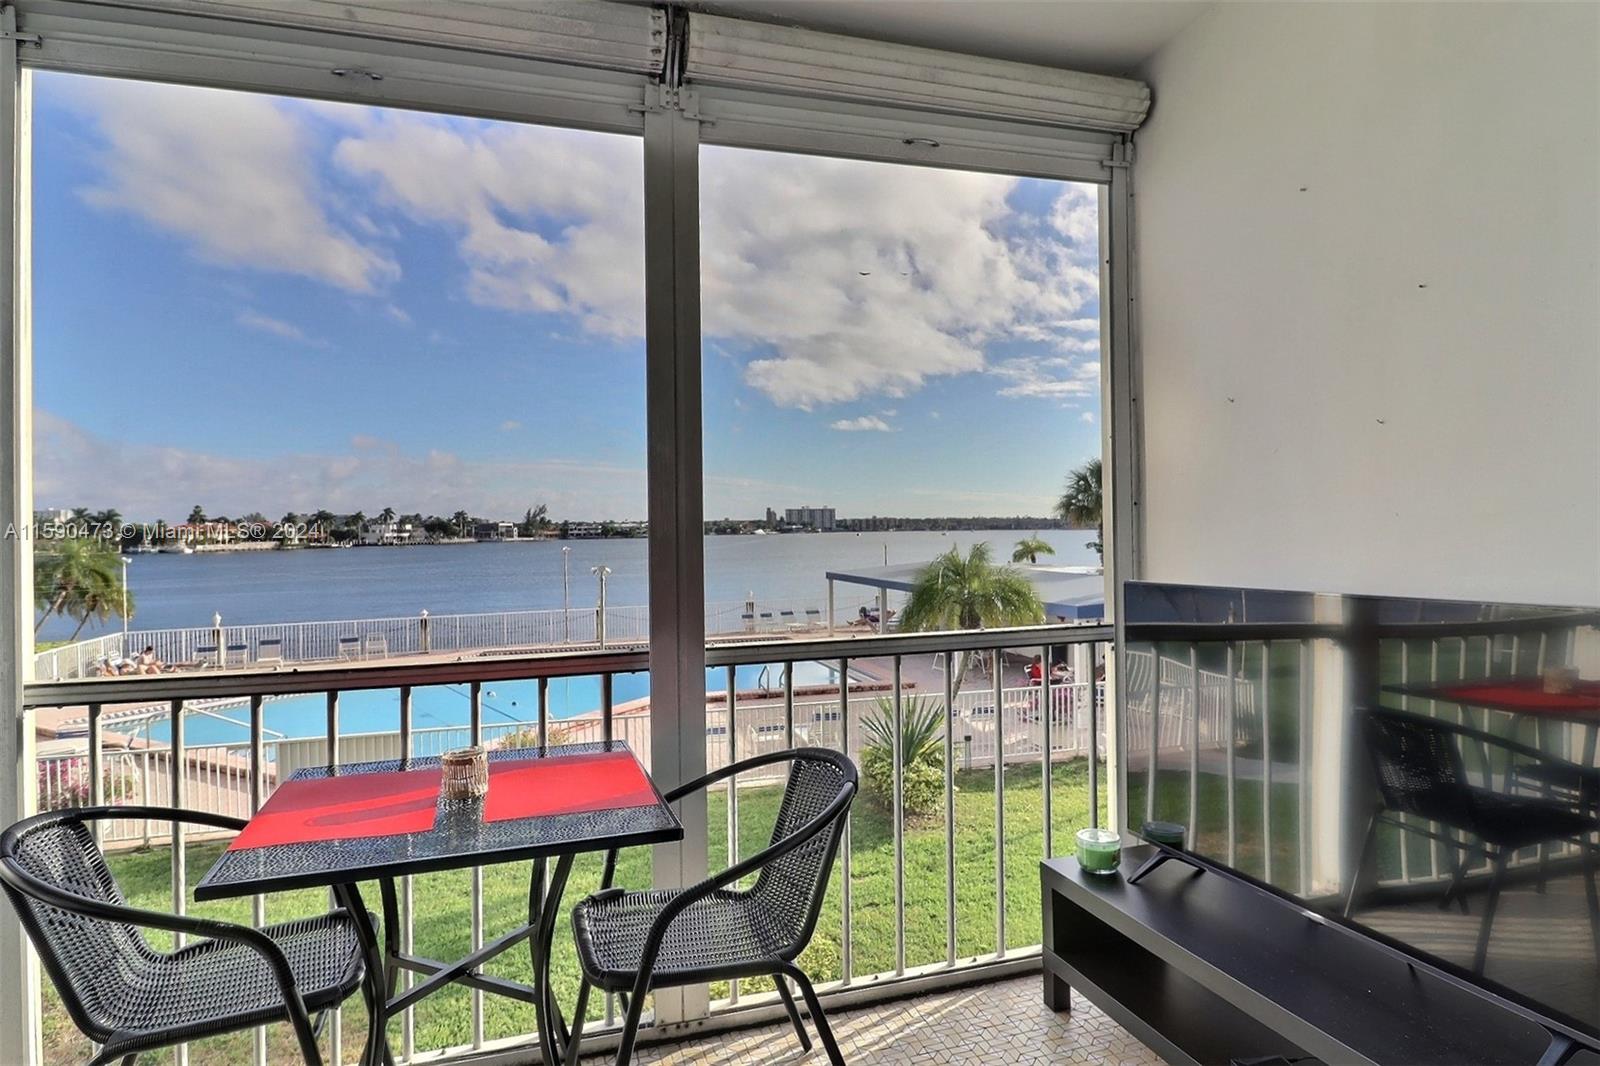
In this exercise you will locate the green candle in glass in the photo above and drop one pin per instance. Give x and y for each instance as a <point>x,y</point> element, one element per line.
<point>1099,850</point>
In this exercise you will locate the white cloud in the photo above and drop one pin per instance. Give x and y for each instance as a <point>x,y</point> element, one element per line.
<point>232,174</point>
<point>275,326</point>
<point>848,279</point>
<point>1076,216</point>
<point>1049,377</point>
<point>545,219</point>
<point>75,465</point>
<point>510,425</point>
<point>827,280</point>
<point>864,424</point>
<point>1087,416</point>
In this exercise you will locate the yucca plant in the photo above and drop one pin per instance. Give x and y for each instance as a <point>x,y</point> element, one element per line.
<point>921,725</point>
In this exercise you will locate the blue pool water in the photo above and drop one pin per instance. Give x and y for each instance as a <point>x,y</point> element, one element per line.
<point>378,710</point>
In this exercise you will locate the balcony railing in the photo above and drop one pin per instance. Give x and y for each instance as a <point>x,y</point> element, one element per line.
<point>920,897</point>
<point>363,639</point>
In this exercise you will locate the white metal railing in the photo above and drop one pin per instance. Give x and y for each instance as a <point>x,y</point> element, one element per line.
<point>996,726</point>
<point>274,643</point>
<point>1183,709</point>
<point>217,777</point>
<point>79,659</point>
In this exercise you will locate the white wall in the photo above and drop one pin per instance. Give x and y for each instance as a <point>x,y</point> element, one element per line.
<point>1369,278</point>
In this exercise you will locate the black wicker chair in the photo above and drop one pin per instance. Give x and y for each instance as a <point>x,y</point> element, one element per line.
<point>130,997</point>
<point>632,942</point>
<point>1421,772</point>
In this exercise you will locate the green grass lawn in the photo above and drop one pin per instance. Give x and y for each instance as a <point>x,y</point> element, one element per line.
<point>442,926</point>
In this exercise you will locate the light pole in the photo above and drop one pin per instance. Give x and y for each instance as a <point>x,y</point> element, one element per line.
<point>566,592</point>
<point>601,572</point>
<point>124,603</point>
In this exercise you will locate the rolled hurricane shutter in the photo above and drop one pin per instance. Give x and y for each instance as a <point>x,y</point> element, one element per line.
<point>738,54</point>
<point>606,36</point>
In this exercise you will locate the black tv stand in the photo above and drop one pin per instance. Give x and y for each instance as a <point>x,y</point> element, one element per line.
<point>1206,970</point>
<point>1161,857</point>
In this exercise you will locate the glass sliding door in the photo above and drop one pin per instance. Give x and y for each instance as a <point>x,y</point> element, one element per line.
<point>901,415</point>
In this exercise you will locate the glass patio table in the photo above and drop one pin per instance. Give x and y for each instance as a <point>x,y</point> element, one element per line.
<point>336,826</point>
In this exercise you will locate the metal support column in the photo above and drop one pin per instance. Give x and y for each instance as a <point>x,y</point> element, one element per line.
<point>19,971</point>
<point>676,492</point>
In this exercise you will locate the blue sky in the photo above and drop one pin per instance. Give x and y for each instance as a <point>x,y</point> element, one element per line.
<point>255,303</point>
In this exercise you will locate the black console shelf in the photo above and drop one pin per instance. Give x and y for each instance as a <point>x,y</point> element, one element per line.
<point>1204,968</point>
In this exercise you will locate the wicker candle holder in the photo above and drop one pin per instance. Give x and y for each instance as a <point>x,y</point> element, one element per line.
<point>464,774</point>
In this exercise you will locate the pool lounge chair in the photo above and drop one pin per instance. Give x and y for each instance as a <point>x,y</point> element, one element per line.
<point>350,647</point>
<point>269,652</point>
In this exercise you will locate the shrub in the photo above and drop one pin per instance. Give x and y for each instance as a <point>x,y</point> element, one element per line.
<point>921,754</point>
<point>922,780</point>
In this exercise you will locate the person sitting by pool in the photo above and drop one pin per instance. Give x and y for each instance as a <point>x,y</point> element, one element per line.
<point>1036,671</point>
<point>147,663</point>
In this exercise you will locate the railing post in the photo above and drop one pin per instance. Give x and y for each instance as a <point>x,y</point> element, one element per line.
<point>422,631</point>
<point>949,805</point>
<point>999,808</point>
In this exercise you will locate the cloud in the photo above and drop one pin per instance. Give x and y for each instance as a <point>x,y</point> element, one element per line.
<point>1076,216</point>
<point>1049,377</point>
<point>231,174</point>
<point>1087,416</point>
<point>275,326</point>
<point>844,279</point>
<point>864,424</point>
<point>545,220</point>
<point>510,425</point>
<point>75,465</point>
<point>826,280</point>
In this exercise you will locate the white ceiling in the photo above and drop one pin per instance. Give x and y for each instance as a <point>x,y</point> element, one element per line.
<point>1097,36</point>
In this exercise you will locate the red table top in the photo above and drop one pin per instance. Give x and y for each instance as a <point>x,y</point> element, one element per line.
<point>1525,695</point>
<point>392,803</point>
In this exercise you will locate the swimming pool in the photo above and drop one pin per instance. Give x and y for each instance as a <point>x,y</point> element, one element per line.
<point>378,710</point>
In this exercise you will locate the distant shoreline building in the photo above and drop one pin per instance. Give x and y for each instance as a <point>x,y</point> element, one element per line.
<point>818,518</point>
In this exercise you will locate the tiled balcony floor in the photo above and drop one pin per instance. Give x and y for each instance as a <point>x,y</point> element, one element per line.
<point>1005,1022</point>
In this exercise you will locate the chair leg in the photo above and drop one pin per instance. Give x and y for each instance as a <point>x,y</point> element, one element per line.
<point>1458,881</point>
<point>630,1025</point>
<point>575,1038</point>
<point>794,1012</point>
<point>1481,956</point>
<point>1368,849</point>
<point>817,1017</point>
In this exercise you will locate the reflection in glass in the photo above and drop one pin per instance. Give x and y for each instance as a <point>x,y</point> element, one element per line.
<point>1425,769</point>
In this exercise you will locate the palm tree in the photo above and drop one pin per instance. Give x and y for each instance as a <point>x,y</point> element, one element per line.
<point>1079,505</point>
<point>386,515</point>
<point>78,577</point>
<point>1029,549</point>
<point>197,515</point>
<point>970,592</point>
<point>461,520</point>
